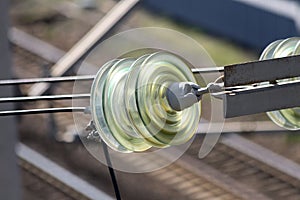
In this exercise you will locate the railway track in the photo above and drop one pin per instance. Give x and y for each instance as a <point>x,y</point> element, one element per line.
<point>55,180</point>
<point>255,166</point>
<point>230,171</point>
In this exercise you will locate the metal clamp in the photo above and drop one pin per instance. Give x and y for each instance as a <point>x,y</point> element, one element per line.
<point>182,95</point>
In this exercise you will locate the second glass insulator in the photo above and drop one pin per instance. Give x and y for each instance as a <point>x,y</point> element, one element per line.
<point>286,118</point>
<point>129,107</point>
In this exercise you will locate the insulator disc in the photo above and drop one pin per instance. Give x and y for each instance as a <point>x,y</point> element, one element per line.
<point>286,118</point>
<point>129,106</point>
<point>137,45</point>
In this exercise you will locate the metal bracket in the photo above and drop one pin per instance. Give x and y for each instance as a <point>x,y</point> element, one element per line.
<point>182,95</point>
<point>260,71</point>
<point>259,97</point>
<point>257,86</point>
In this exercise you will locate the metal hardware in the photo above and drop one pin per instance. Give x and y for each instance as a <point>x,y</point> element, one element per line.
<point>47,80</point>
<point>259,71</point>
<point>43,110</point>
<point>234,77</point>
<point>240,98</point>
<point>46,97</point>
<point>181,95</point>
<point>261,99</point>
<point>207,70</point>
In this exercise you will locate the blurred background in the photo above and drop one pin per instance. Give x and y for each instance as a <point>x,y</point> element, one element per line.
<point>253,160</point>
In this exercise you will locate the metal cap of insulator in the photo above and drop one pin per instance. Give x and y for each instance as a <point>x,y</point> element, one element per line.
<point>182,95</point>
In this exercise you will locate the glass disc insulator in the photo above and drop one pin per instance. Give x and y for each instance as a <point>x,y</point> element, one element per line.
<point>286,118</point>
<point>129,106</point>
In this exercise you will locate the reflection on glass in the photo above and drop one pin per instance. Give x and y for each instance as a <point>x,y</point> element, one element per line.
<point>286,118</point>
<point>129,106</point>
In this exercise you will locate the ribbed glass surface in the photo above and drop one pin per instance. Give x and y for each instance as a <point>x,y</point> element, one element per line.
<point>286,118</point>
<point>129,106</point>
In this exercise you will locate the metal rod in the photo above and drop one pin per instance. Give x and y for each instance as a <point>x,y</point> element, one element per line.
<point>42,110</point>
<point>85,77</point>
<point>208,70</point>
<point>46,97</point>
<point>50,79</point>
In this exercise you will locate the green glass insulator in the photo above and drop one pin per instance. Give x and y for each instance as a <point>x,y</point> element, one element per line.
<point>286,118</point>
<point>129,105</point>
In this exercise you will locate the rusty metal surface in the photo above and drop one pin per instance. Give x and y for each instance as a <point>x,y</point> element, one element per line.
<point>259,99</point>
<point>260,71</point>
